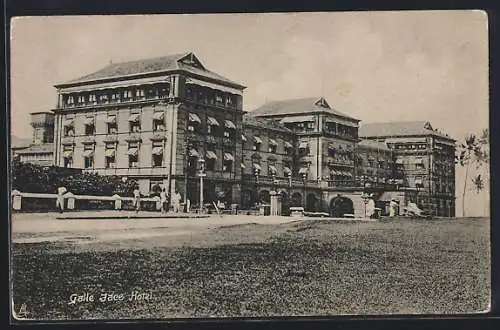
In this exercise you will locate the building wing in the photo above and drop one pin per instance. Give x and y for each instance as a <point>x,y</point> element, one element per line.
<point>297,106</point>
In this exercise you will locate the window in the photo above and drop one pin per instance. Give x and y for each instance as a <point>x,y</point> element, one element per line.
<point>70,100</point>
<point>151,93</point>
<point>68,156</point>
<point>310,125</point>
<point>212,125</point>
<point>229,100</point>
<point>218,98</point>
<point>211,158</point>
<point>419,163</point>
<point>257,142</point>
<point>115,97</point>
<point>189,93</point>
<point>193,122</point>
<point>89,126</point>
<point>210,164</point>
<point>133,154</point>
<point>163,92</point>
<point>228,162</point>
<point>272,146</point>
<point>68,127</point>
<point>69,131</point>
<point>134,123</point>
<point>88,155</point>
<point>155,186</point>
<point>103,98</point>
<point>81,99</point>
<point>92,99</point>
<point>157,158</point>
<point>127,94</point>
<point>110,155</point>
<point>158,121</point>
<point>112,125</point>
<point>139,93</point>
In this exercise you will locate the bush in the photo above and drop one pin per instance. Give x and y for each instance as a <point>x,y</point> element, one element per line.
<point>33,178</point>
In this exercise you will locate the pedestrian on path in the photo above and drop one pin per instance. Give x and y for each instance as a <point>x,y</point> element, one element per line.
<point>176,201</point>
<point>137,199</point>
<point>163,201</point>
<point>60,198</point>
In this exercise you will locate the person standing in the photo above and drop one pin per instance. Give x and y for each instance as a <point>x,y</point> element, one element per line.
<point>370,207</point>
<point>60,199</point>
<point>392,208</point>
<point>137,199</point>
<point>188,205</point>
<point>163,201</point>
<point>176,200</point>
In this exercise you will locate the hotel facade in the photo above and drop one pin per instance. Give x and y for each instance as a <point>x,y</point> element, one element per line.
<point>165,120</point>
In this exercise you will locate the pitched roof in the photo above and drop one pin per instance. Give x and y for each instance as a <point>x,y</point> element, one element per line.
<point>249,119</point>
<point>37,148</point>
<point>403,128</point>
<point>184,61</point>
<point>370,144</point>
<point>296,106</point>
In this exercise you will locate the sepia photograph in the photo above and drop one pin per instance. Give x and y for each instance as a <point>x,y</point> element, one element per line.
<point>196,166</point>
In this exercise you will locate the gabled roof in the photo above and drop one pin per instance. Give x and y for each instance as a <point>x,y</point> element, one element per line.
<point>297,106</point>
<point>370,144</point>
<point>403,128</point>
<point>249,119</point>
<point>184,61</point>
<point>37,149</point>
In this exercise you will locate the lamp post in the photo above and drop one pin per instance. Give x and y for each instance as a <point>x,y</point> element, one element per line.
<point>201,175</point>
<point>256,174</point>
<point>187,147</point>
<point>304,178</point>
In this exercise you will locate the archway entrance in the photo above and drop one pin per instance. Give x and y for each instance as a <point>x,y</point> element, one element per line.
<point>247,199</point>
<point>339,206</point>
<point>264,197</point>
<point>296,200</point>
<point>311,203</point>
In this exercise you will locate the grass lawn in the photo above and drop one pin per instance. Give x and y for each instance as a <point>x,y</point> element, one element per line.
<point>294,269</point>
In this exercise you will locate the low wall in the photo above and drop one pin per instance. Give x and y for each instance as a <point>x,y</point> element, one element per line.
<point>47,202</point>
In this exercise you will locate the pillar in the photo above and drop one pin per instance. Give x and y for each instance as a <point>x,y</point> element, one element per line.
<point>118,202</point>
<point>16,200</point>
<point>71,200</point>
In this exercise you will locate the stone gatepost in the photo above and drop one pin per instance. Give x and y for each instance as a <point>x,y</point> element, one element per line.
<point>71,200</point>
<point>16,200</point>
<point>118,201</point>
<point>275,203</point>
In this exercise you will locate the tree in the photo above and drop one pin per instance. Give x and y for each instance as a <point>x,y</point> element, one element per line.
<point>474,152</point>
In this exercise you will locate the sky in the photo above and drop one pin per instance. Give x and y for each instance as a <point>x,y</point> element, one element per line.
<point>374,66</point>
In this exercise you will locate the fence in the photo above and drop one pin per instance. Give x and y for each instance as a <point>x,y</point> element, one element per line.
<point>47,202</point>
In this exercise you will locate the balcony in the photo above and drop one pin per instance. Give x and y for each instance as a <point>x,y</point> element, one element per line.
<point>158,136</point>
<point>68,140</point>
<point>133,137</point>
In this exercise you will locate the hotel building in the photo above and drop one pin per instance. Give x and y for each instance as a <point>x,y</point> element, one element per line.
<point>165,120</point>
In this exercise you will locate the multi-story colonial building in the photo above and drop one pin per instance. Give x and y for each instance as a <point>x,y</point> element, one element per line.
<point>164,121</point>
<point>40,151</point>
<point>424,158</point>
<point>149,120</point>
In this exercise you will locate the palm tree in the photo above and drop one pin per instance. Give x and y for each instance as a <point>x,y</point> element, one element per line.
<point>473,152</point>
